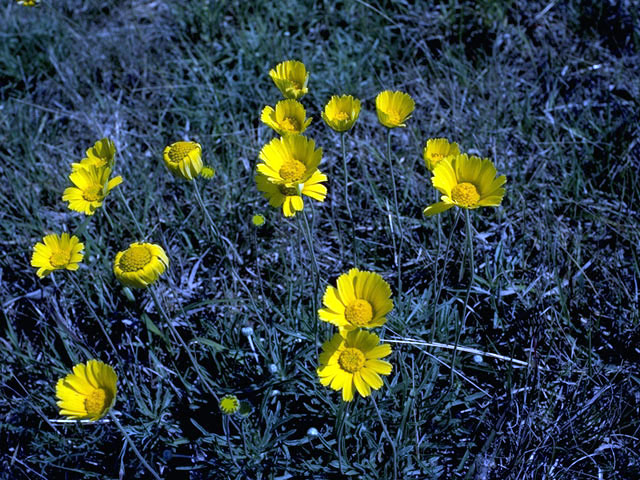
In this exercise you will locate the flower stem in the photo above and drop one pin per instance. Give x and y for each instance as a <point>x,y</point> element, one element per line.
<point>225,427</point>
<point>463,316</point>
<point>133,217</point>
<point>306,231</point>
<point>347,202</point>
<point>386,432</point>
<point>397,252</point>
<point>133,446</point>
<point>212,225</point>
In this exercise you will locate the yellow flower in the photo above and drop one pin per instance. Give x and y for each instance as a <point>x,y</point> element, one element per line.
<point>102,154</point>
<point>140,265</point>
<point>288,118</point>
<point>184,159</point>
<point>56,253</point>
<point>229,404</point>
<point>258,220</point>
<point>394,108</point>
<point>353,360</point>
<point>29,3</point>
<point>289,160</point>
<point>289,197</point>
<point>207,172</point>
<point>291,78</point>
<point>466,182</point>
<point>361,300</point>
<point>341,112</point>
<point>92,185</point>
<point>437,149</point>
<point>89,392</point>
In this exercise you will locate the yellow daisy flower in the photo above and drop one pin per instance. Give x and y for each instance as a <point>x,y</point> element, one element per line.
<point>289,160</point>
<point>229,404</point>
<point>437,149</point>
<point>466,182</point>
<point>361,300</point>
<point>394,108</point>
<point>56,253</point>
<point>92,185</point>
<point>140,265</point>
<point>353,360</point>
<point>184,159</point>
<point>291,78</point>
<point>288,118</point>
<point>207,172</point>
<point>341,112</point>
<point>290,197</point>
<point>102,154</point>
<point>89,392</point>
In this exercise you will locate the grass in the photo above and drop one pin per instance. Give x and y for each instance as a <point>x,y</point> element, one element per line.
<point>548,91</point>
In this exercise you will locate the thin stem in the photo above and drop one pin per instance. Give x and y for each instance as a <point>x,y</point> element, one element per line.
<point>225,426</point>
<point>212,225</point>
<point>133,446</point>
<point>93,312</point>
<point>133,217</point>
<point>346,200</point>
<point>386,432</point>
<point>177,335</point>
<point>397,253</point>
<point>339,429</point>
<point>461,321</point>
<point>306,231</point>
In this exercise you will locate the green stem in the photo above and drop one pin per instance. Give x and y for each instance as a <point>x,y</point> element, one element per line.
<point>225,427</point>
<point>177,335</point>
<point>463,316</point>
<point>133,446</point>
<point>386,432</point>
<point>133,217</point>
<point>397,252</point>
<point>212,225</point>
<point>347,202</point>
<point>306,231</point>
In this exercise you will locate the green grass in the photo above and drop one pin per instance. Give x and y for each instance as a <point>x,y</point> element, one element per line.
<point>548,91</point>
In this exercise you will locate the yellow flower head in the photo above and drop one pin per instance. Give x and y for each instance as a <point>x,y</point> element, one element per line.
<point>184,159</point>
<point>291,78</point>
<point>361,300</point>
<point>289,160</point>
<point>229,404</point>
<point>207,172</point>
<point>258,220</point>
<point>394,108</point>
<point>92,185</point>
<point>102,154</point>
<point>56,253</point>
<point>353,360</point>
<point>140,265</point>
<point>466,182</point>
<point>290,197</point>
<point>437,149</point>
<point>28,3</point>
<point>341,112</point>
<point>288,118</point>
<point>89,392</point>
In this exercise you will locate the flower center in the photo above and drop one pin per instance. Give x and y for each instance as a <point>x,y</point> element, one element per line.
<point>179,150</point>
<point>351,360</point>
<point>135,258</point>
<point>59,258</point>
<point>290,124</point>
<point>394,117</point>
<point>292,170</point>
<point>295,85</point>
<point>341,116</point>
<point>359,312</point>
<point>92,193</point>
<point>465,194</point>
<point>97,402</point>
